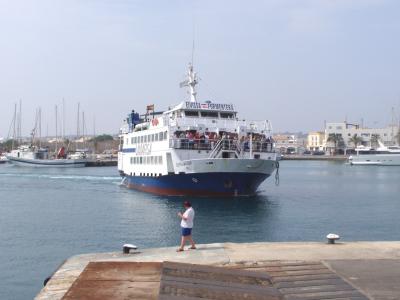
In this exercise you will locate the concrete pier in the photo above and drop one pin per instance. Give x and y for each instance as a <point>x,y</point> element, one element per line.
<point>102,163</point>
<point>373,268</point>
<point>339,158</point>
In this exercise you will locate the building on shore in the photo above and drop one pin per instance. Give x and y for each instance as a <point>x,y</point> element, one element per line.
<point>347,136</point>
<point>289,143</point>
<point>316,141</point>
<point>386,135</point>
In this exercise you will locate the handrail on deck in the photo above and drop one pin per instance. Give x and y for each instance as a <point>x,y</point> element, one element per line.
<point>223,144</point>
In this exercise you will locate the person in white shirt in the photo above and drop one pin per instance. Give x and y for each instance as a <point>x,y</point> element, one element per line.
<point>186,225</point>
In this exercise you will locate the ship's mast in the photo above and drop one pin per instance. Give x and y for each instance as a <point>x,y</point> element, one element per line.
<point>191,83</point>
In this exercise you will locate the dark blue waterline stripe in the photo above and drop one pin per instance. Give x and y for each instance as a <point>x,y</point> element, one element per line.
<point>129,150</point>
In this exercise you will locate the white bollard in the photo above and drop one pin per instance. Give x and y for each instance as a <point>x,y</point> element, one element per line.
<point>332,237</point>
<point>126,248</point>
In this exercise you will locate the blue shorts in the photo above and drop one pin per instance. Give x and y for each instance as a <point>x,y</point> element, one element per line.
<point>186,231</point>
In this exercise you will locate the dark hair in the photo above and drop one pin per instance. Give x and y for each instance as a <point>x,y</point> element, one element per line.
<point>187,204</point>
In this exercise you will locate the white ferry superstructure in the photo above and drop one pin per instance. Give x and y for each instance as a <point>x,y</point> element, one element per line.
<point>195,148</point>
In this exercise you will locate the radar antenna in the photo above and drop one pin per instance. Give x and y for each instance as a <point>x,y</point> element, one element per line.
<point>191,83</point>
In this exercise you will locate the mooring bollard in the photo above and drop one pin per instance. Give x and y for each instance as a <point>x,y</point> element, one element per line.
<point>332,237</point>
<point>126,248</point>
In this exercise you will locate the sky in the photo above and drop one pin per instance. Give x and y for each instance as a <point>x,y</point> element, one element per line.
<point>296,63</point>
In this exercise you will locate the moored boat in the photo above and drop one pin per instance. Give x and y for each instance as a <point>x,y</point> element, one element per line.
<point>28,155</point>
<point>381,156</point>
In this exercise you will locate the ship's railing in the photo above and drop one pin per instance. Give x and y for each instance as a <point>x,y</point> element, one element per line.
<point>221,144</point>
<point>207,124</point>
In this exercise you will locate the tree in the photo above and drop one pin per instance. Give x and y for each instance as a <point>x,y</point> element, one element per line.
<point>375,140</point>
<point>398,137</point>
<point>6,145</point>
<point>102,138</point>
<point>336,139</point>
<point>355,140</point>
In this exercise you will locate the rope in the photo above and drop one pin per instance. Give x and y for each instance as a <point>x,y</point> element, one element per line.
<point>277,174</point>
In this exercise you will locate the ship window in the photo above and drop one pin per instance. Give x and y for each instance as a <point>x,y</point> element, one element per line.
<point>165,135</point>
<point>191,113</point>
<point>160,136</point>
<point>152,138</point>
<point>156,137</point>
<point>141,160</point>
<point>152,160</point>
<point>132,140</point>
<point>127,141</point>
<point>148,160</point>
<point>160,159</point>
<point>226,115</point>
<point>145,138</point>
<point>141,139</point>
<point>209,114</point>
<point>131,160</point>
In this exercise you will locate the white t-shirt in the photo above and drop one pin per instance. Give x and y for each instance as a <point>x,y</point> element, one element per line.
<point>189,215</point>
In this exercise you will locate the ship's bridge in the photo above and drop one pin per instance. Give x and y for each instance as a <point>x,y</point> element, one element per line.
<point>212,117</point>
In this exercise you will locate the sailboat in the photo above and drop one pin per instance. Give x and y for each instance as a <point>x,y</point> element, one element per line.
<point>36,156</point>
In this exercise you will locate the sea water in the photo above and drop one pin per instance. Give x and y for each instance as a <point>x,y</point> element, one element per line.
<point>48,215</point>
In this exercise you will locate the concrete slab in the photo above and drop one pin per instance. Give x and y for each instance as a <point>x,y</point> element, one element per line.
<point>311,251</point>
<point>379,279</point>
<point>236,254</point>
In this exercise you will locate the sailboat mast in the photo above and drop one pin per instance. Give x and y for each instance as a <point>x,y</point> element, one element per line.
<point>83,129</point>
<point>63,119</point>
<point>77,122</point>
<point>40,127</point>
<point>56,131</point>
<point>20,122</point>
<point>14,123</point>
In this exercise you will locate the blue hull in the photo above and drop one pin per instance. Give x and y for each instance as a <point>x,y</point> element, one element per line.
<point>198,184</point>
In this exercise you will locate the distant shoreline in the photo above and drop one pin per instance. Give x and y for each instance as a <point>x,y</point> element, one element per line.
<point>315,157</point>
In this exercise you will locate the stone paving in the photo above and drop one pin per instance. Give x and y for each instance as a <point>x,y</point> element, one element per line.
<point>371,267</point>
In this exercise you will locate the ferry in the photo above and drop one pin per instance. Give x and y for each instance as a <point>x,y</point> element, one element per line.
<point>381,156</point>
<point>195,149</point>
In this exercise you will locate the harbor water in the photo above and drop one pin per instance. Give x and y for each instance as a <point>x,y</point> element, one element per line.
<point>48,215</point>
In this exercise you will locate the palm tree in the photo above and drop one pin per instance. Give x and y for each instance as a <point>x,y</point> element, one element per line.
<point>336,139</point>
<point>398,137</point>
<point>355,140</point>
<point>374,140</point>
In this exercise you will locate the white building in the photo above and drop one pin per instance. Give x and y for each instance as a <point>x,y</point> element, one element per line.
<point>289,143</point>
<point>346,130</point>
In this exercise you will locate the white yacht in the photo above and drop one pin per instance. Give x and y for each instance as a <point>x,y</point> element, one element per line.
<point>195,148</point>
<point>381,156</point>
<point>29,155</point>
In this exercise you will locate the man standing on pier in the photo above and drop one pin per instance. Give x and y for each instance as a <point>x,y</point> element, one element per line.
<point>186,225</point>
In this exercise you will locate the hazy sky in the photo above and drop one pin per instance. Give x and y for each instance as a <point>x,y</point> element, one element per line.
<point>296,62</point>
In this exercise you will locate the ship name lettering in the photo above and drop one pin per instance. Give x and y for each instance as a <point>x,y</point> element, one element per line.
<point>210,106</point>
<point>143,149</point>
